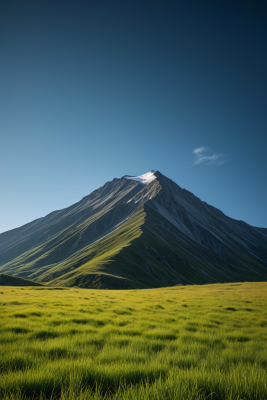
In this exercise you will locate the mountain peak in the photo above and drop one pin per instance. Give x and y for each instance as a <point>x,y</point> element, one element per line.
<point>143,179</point>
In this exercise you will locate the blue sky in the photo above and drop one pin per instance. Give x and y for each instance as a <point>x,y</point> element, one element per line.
<point>90,91</point>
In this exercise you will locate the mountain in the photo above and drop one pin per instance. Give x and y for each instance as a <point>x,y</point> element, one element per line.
<point>136,232</point>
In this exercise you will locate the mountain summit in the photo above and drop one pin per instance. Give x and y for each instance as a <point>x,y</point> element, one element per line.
<point>144,179</point>
<point>135,232</point>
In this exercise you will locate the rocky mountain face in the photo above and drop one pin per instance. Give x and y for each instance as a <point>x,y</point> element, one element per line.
<point>136,232</point>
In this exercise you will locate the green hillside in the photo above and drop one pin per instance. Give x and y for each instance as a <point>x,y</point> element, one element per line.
<point>8,280</point>
<point>157,258</point>
<point>144,252</point>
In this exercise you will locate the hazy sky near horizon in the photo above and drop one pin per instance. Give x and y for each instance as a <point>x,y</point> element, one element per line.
<point>90,91</point>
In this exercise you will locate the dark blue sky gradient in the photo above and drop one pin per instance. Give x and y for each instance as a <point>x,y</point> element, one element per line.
<point>90,91</point>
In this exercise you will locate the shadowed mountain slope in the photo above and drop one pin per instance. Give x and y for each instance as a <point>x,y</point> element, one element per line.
<point>8,280</point>
<point>136,232</point>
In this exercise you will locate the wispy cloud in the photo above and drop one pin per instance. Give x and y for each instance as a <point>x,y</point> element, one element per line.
<point>204,155</point>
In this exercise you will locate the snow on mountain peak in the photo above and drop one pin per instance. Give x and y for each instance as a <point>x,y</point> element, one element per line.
<point>144,179</point>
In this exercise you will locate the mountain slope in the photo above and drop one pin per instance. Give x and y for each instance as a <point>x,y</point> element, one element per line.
<point>8,280</point>
<point>136,232</point>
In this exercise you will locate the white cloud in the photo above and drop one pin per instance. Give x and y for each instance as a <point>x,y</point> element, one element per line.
<point>200,150</point>
<point>202,154</point>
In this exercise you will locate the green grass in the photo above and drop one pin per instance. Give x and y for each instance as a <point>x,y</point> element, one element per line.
<point>183,342</point>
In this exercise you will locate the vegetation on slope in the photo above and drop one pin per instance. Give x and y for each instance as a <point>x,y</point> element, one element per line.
<point>36,247</point>
<point>96,259</point>
<point>8,280</point>
<point>162,256</point>
<point>184,342</point>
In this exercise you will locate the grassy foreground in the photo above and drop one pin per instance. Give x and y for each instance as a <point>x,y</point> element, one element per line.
<point>184,342</point>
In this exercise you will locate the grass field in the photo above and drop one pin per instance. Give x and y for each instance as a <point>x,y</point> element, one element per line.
<point>183,342</point>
